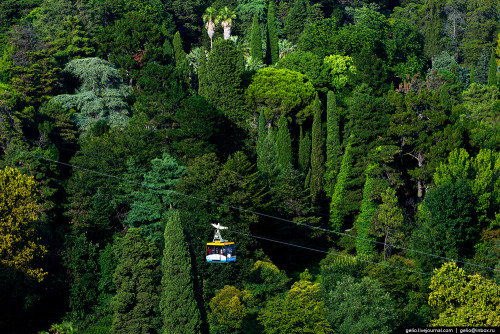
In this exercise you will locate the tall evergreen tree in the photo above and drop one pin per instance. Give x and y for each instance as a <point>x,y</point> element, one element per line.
<point>267,156</point>
<point>332,142</point>
<point>225,89</point>
<point>179,53</point>
<point>202,74</point>
<point>272,50</point>
<point>483,66</point>
<point>255,41</point>
<point>317,158</point>
<point>304,152</point>
<point>296,20</point>
<point>492,73</point>
<point>364,220</point>
<point>472,75</point>
<point>336,218</point>
<point>135,301</point>
<point>178,305</point>
<point>284,144</point>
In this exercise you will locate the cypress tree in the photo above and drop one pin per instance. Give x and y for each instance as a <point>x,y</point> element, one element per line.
<point>135,280</point>
<point>267,157</point>
<point>472,75</point>
<point>296,20</point>
<point>364,219</point>
<point>202,74</point>
<point>304,152</point>
<point>284,144</point>
<point>483,66</point>
<point>317,159</point>
<point>336,218</point>
<point>261,138</point>
<point>332,142</point>
<point>179,53</point>
<point>255,41</point>
<point>178,305</point>
<point>272,35</point>
<point>225,90</point>
<point>492,73</point>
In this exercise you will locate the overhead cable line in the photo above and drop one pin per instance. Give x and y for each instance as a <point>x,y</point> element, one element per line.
<point>244,210</point>
<point>358,259</point>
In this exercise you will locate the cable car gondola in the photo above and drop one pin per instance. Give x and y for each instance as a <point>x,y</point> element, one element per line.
<point>220,250</point>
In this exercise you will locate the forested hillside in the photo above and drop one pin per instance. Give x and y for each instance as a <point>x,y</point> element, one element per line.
<point>351,148</point>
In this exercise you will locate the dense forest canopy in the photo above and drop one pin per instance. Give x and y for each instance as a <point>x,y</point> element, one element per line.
<point>351,148</point>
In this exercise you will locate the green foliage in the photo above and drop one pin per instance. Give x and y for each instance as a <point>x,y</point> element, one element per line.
<point>135,279</point>
<point>483,67</point>
<point>309,64</point>
<point>447,222</point>
<point>304,158</point>
<point>266,281</point>
<point>360,307</point>
<point>272,50</point>
<point>301,310</point>
<point>492,73</point>
<point>472,75</point>
<point>255,41</point>
<point>179,53</point>
<point>388,217</point>
<point>280,91</point>
<point>20,246</point>
<point>332,142</point>
<point>267,155</point>
<point>296,20</point>
<point>317,153</point>
<point>150,208</point>
<point>463,300</point>
<point>365,245</point>
<point>227,310</point>
<point>284,144</point>
<point>195,128</point>
<point>225,90</point>
<point>73,42</point>
<point>178,305</point>
<point>81,258</point>
<point>481,172</point>
<point>320,38</point>
<point>338,196</point>
<point>134,41</point>
<point>101,95</point>
<point>341,68</point>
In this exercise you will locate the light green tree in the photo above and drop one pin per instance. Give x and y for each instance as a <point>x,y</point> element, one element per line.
<point>463,300</point>
<point>336,219</point>
<point>364,220</point>
<point>227,310</point>
<point>20,245</point>
<point>302,310</point>
<point>255,41</point>
<point>210,22</point>
<point>226,18</point>
<point>388,217</point>
<point>284,144</point>
<point>341,67</point>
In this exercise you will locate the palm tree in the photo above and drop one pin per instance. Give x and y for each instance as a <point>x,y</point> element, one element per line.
<point>226,17</point>
<point>210,22</point>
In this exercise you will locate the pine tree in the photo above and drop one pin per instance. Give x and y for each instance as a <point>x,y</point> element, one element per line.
<point>492,73</point>
<point>272,50</point>
<point>304,152</point>
<point>178,305</point>
<point>255,41</point>
<point>336,219</point>
<point>179,53</point>
<point>364,220</point>
<point>296,20</point>
<point>332,142</point>
<point>284,144</point>
<point>472,75</point>
<point>317,158</point>
<point>135,301</point>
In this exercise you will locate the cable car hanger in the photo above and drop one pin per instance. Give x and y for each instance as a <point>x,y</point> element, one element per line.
<point>220,250</point>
